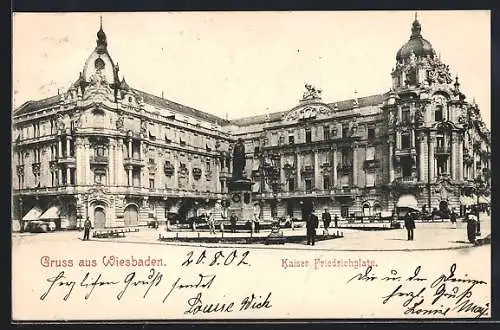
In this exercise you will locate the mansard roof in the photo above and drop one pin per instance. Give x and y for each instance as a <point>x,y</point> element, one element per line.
<point>35,105</point>
<point>177,107</point>
<point>372,100</point>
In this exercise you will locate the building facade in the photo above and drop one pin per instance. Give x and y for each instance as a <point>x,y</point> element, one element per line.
<point>122,157</point>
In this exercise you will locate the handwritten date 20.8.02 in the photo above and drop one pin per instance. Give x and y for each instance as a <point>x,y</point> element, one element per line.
<point>219,258</point>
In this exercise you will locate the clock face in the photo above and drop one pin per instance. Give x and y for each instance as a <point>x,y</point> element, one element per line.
<point>99,64</point>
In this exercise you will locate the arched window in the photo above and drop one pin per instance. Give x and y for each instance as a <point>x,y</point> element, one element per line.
<point>98,118</point>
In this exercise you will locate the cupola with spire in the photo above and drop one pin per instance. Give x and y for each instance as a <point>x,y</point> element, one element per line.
<point>416,45</point>
<point>102,43</point>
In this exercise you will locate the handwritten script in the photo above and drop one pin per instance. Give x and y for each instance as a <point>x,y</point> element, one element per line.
<point>143,282</point>
<point>420,295</point>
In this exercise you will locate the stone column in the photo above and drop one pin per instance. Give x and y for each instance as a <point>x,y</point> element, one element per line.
<point>317,171</point>
<point>460,176</point>
<point>391,161</point>
<point>282,172</point>
<point>140,149</point>
<point>129,148</point>
<point>68,138</point>
<point>412,134</point>
<point>68,176</point>
<point>111,163</point>
<point>176,172</point>
<point>59,147</point>
<point>59,176</point>
<point>217,176</point>
<point>354,165</point>
<point>453,165</point>
<point>80,162</point>
<point>86,160</point>
<point>421,165</point>
<point>297,169</point>
<point>335,180</point>
<point>432,160</point>
<point>129,174</point>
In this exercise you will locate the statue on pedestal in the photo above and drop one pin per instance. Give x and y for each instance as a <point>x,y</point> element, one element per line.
<point>239,160</point>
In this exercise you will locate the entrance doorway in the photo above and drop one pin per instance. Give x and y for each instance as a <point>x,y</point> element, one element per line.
<point>131,216</point>
<point>99,217</point>
<point>306,208</point>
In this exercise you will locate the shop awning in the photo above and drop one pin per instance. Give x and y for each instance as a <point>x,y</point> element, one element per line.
<point>52,213</point>
<point>33,214</point>
<point>467,200</point>
<point>408,201</point>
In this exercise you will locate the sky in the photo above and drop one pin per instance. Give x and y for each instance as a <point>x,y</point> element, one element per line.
<point>239,64</point>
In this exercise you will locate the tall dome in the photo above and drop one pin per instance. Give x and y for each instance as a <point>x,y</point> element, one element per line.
<point>417,45</point>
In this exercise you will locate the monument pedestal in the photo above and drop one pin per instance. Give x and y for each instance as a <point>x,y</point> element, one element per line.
<point>240,192</point>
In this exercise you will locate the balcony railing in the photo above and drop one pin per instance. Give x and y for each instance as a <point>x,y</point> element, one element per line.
<point>408,179</point>
<point>99,160</point>
<point>344,167</point>
<point>442,150</point>
<point>133,161</point>
<point>64,159</point>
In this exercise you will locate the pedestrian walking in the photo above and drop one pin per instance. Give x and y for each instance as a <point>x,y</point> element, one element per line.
<point>233,220</point>
<point>86,229</point>
<point>211,223</point>
<point>471,227</point>
<point>327,218</point>
<point>336,220</point>
<point>312,224</point>
<point>409,225</point>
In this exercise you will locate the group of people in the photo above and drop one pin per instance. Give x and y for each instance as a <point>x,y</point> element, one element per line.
<point>312,223</point>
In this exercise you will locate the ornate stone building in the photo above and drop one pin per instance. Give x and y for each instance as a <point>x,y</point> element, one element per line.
<point>122,156</point>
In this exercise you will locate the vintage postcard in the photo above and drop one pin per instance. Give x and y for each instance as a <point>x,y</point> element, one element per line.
<point>251,165</point>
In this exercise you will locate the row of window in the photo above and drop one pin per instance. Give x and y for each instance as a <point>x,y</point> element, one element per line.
<point>327,134</point>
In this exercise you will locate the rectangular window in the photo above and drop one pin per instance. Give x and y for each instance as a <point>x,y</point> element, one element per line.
<point>291,139</point>
<point>370,179</point>
<point>308,136</point>
<point>291,185</point>
<point>99,177</point>
<point>208,166</point>
<point>371,133</point>
<point>345,130</point>
<point>326,133</point>
<point>308,185</point>
<point>438,113</point>
<point>281,140</point>
<point>222,185</point>
<point>405,141</point>
<point>151,183</point>
<point>405,115</point>
<point>326,183</point>
<point>256,150</point>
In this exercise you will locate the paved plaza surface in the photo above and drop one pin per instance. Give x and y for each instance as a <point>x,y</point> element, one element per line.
<point>427,236</point>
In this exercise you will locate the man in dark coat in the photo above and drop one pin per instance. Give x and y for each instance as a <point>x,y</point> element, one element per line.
<point>312,224</point>
<point>86,229</point>
<point>327,218</point>
<point>233,223</point>
<point>336,220</point>
<point>409,225</point>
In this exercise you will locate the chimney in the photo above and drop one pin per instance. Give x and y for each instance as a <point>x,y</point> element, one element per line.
<point>161,94</point>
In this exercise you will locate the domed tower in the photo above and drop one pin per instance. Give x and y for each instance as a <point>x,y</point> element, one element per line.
<point>424,130</point>
<point>100,62</point>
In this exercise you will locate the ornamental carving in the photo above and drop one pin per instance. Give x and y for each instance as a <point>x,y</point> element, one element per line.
<point>119,123</point>
<point>196,173</point>
<point>306,112</point>
<point>98,88</point>
<point>183,171</point>
<point>311,93</point>
<point>36,168</point>
<point>20,170</point>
